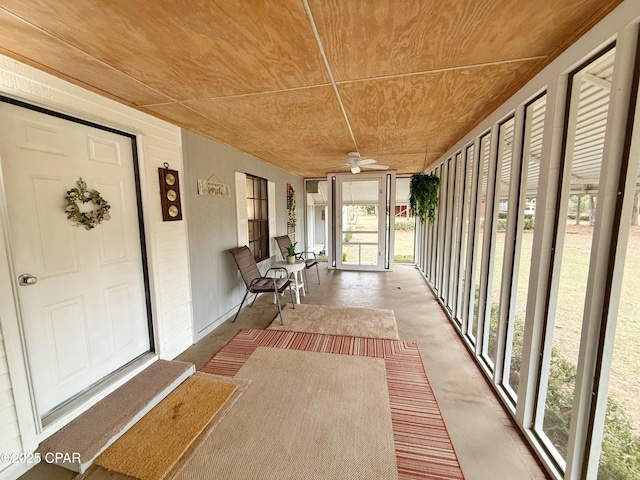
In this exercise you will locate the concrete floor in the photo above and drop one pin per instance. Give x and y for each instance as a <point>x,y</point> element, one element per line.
<point>488,444</point>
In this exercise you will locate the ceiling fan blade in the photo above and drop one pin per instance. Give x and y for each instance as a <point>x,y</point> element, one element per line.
<point>375,167</point>
<point>366,161</point>
<point>355,169</point>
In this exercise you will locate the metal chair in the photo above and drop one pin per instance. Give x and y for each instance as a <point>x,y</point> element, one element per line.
<point>256,282</point>
<point>284,242</point>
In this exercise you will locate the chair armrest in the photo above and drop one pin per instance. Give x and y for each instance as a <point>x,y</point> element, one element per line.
<point>300,255</point>
<point>281,270</point>
<point>273,280</point>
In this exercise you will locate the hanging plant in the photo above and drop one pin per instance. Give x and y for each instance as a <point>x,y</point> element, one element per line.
<point>423,195</point>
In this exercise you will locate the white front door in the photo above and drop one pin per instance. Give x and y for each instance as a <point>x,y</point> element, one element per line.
<point>86,315</point>
<point>362,226</point>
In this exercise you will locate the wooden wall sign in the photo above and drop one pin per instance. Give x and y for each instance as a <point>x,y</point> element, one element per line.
<point>170,194</point>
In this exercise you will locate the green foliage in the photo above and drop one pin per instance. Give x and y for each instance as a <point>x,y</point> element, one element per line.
<point>348,235</point>
<point>423,195</point>
<point>81,195</point>
<point>516,353</point>
<point>557,416</point>
<point>529,223</point>
<point>368,209</point>
<point>403,258</point>
<point>620,458</point>
<point>292,249</point>
<point>405,225</point>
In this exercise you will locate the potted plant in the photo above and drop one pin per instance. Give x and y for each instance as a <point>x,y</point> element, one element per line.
<point>423,195</point>
<point>292,253</point>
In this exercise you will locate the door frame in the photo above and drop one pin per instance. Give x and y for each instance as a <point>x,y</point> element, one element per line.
<point>386,204</point>
<point>29,418</point>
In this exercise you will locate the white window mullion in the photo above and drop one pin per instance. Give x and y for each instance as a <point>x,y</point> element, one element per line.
<point>241,209</point>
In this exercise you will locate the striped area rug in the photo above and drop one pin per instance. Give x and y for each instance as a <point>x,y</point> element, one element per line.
<point>422,443</point>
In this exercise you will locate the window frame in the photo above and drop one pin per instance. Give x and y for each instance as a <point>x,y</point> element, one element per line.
<point>259,204</point>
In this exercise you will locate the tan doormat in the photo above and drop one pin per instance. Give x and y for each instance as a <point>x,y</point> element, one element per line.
<point>334,320</point>
<point>151,448</point>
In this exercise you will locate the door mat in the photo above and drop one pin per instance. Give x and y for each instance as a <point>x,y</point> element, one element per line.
<point>155,444</point>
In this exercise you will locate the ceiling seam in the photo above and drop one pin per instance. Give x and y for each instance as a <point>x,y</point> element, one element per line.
<point>442,70</point>
<point>49,34</point>
<point>346,82</point>
<point>253,94</point>
<point>312,22</point>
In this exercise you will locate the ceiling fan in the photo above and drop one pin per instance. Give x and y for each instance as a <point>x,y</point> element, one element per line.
<point>357,163</point>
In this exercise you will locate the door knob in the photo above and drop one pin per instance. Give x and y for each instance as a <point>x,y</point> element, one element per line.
<point>27,279</point>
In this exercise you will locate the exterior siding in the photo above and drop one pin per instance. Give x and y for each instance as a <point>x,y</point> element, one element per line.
<point>167,244</point>
<point>10,439</point>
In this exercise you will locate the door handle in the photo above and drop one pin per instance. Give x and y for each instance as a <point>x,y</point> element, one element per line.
<point>27,279</point>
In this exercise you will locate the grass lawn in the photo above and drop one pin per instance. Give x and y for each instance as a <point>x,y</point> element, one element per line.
<point>404,241</point>
<point>625,375</point>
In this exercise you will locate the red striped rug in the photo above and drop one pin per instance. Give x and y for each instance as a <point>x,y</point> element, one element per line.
<point>422,443</point>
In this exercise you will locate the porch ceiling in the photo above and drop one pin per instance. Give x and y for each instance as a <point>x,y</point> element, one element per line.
<point>300,83</point>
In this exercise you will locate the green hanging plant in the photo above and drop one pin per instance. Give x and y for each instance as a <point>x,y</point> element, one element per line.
<point>423,195</point>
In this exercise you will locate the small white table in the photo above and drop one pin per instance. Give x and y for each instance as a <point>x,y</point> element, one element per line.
<point>295,271</point>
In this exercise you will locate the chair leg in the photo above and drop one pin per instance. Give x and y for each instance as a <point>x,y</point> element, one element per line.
<point>293,303</point>
<point>254,299</point>
<point>279,308</point>
<point>240,307</point>
<point>318,273</point>
<point>306,280</point>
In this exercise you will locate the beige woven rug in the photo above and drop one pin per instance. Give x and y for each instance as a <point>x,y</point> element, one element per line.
<point>333,320</point>
<point>150,449</point>
<point>305,415</point>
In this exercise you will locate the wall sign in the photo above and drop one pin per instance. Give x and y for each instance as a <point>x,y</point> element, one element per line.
<point>170,194</point>
<point>213,189</point>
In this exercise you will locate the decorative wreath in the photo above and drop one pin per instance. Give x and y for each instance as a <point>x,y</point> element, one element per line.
<point>89,219</point>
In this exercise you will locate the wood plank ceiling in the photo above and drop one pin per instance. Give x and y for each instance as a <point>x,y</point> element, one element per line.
<point>299,83</point>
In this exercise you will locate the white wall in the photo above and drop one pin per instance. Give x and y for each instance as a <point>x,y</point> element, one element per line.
<point>217,288</point>
<point>167,245</point>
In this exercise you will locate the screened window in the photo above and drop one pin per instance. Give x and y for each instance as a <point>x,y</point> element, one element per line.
<point>481,210</point>
<point>530,173</point>
<point>465,226</point>
<point>621,439</point>
<point>258,217</point>
<point>587,123</point>
<point>502,186</point>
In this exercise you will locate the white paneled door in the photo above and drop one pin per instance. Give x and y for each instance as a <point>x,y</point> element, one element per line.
<point>362,207</point>
<point>85,316</point>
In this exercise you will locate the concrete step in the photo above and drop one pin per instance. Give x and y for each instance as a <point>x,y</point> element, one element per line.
<point>95,430</point>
